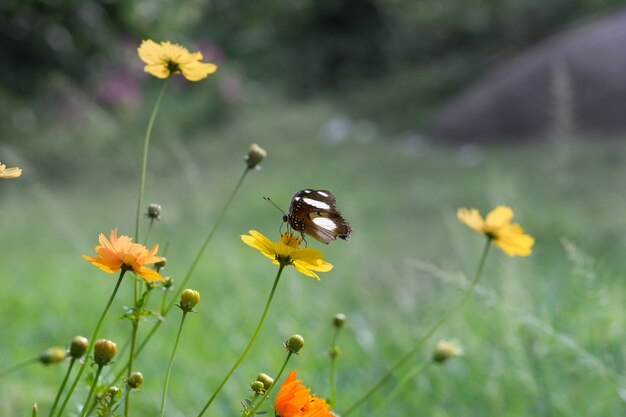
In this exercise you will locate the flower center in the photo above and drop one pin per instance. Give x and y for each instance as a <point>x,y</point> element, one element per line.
<point>172,67</point>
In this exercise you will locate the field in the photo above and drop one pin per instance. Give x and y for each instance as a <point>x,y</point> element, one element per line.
<point>543,335</point>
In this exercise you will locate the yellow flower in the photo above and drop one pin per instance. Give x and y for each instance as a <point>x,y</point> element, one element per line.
<point>167,58</point>
<point>497,227</point>
<point>287,252</point>
<point>115,253</point>
<point>293,400</point>
<point>9,172</point>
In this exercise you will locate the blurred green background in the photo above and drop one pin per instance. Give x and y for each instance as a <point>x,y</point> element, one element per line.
<point>336,91</point>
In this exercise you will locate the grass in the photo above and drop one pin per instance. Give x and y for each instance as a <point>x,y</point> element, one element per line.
<point>543,335</point>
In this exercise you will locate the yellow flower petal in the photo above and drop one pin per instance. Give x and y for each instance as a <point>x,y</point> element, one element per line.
<point>471,218</point>
<point>500,217</point>
<point>9,172</point>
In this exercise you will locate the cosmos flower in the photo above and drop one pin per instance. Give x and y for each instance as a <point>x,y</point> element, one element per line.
<point>163,60</point>
<point>9,172</point>
<point>497,227</point>
<point>293,400</point>
<point>287,252</point>
<point>115,253</point>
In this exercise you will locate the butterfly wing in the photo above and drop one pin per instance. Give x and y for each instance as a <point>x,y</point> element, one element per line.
<point>315,213</point>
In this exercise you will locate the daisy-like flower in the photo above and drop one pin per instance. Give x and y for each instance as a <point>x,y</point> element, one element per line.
<point>287,252</point>
<point>163,60</point>
<point>497,227</point>
<point>9,172</point>
<point>115,253</point>
<point>293,400</point>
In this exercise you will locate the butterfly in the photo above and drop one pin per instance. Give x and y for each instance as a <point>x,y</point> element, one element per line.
<point>314,212</point>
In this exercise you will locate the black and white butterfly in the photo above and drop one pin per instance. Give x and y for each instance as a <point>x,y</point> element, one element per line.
<point>315,213</point>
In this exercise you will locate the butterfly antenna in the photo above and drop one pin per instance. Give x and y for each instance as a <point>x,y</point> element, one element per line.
<point>269,200</point>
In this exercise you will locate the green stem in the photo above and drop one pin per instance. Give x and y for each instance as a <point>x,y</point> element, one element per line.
<point>192,268</point>
<point>61,388</point>
<point>133,339</point>
<point>333,370</point>
<point>247,349</point>
<point>18,366</point>
<point>425,337</point>
<point>144,160</point>
<point>404,381</point>
<point>269,390</point>
<point>91,390</point>
<point>169,366</point>
<point>144,167</point>
<point>92,342</point>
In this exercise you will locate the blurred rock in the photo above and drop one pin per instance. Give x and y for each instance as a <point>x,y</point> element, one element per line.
<point>573,82</point>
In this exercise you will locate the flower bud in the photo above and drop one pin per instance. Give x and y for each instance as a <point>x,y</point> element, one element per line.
<point>266,380</point>
<point>295,343</point>
<point>154,211</point>
<point>258,387</point>
<point>255,155</point>
<point>103,351</point>
<point>113,391</point>
<point>334,352</point>
<point>135,380</point>
<point>160,265</point>
<point>444,350</point>
<point>189,299</point>
<point>35,410</point>
<point>52,355</point>
<point>78,347</point>
<point>339,320</point>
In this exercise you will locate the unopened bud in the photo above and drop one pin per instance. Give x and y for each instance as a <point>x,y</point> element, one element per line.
<point>113,392</point>
<point>266,380</point>
<point>52,355</point>
<point>334,352</point>
<point>35,410</point>
<point>339,320</point>
<point>154,211</point>
<point>189,299</point>
<point>78,347</point>
<point>258,387</point>
<point>255,155</point>
<point>135,380</point>
<point>444,350</point>
<point>103,351</point>
<point>161,264</point>
<point>295,343</point>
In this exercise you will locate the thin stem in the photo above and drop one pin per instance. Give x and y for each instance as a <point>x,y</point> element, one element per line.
<point>404,381</point>
<point>91,390</point>
<point>149,230</point>
<point>333,369</point>
<point>144,167</point>
<point>144,160</point>
<point>191,270</point>
<point>62,387</point>
<point>18,366</point>
<point>133,340</point>
<point>247,349</point>
<point>425,337</point>
<point>269,390</point>
<point>169,366</point>
<point>92,342</point>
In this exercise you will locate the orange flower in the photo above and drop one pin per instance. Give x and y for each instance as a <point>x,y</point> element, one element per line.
<point>293,400</point>
<point>115,253</point>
